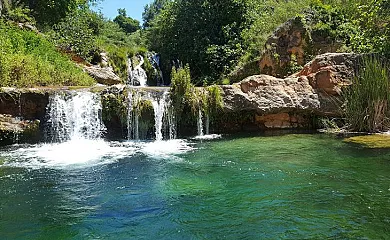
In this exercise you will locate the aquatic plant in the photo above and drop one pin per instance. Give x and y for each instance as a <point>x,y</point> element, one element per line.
<point>368,99</point>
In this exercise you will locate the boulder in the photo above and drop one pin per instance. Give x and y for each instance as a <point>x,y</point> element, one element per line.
<point>293,101</point>
<point>266,94</point>
<point>103,75</point>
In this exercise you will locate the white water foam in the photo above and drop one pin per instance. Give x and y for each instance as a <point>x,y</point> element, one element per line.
<point>166,149</point>
<point>84,153</point>
<point>72,154</point>
<point>208,137</point>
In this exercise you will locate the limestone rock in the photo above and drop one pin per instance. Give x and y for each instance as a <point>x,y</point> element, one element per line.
<point>103,75</point>
<point>331,71</point>
<point>267,94</point>
<point>291,45</point>
<point>281,120</point>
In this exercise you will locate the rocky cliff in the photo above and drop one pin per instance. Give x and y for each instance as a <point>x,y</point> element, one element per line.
<point>296,100</point>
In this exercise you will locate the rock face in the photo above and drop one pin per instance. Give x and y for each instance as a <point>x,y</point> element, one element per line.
<point>14,129</point>
<point>103,75</point>
<point>290,46</point>
<point>30,104</point>
<point>267,94</point>
<point>286,50</point>
<point>331,71</point>
<point>293,101</point>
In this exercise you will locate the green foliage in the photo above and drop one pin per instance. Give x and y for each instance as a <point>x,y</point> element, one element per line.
<point>152,10</point>
<point>214,101</point>
<point>127,24</point>
<point>75,33</point>
<point>114,108</point>
<point>368,99</point>
<point>187,100</point>
<point>181,90</point>
<point>49,12</point>
<point>27,60</point>
<point>19,14</point>
<point>203,34</point>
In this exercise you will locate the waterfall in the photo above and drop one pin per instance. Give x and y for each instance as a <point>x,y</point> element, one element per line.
<point>200,123</point>
<point>76,115</point>
<point>170,119</point>
<point>164,120</point>
<point>137,76</point>
<point>133,114</point>
<point>159,110</point>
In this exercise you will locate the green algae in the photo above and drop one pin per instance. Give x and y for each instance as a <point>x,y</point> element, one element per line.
<point>371,141</point>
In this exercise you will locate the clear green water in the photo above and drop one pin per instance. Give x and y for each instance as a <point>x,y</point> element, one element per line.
<point>276,187</point>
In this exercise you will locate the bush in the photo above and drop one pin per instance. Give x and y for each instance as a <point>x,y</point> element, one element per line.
<point>368,99</point>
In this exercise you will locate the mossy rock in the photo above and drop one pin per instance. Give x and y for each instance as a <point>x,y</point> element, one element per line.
<point>371,141</point>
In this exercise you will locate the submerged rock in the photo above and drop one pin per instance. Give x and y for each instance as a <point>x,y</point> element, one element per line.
<point>371,141</point>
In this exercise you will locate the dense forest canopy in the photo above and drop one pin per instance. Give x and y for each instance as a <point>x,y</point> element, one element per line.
<point>213,37</point>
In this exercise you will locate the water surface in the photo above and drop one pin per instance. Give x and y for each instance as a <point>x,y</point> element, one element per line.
<point>275,187</point>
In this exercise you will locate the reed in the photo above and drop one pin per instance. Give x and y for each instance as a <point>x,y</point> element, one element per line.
<point>368,99</point>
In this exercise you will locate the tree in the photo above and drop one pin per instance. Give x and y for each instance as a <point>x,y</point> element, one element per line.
<point>128,24</point>
<point>203,33</point>
<point>152,10</point>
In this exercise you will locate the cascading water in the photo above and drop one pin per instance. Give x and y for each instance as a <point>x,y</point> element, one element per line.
<point>137,76</point>
<point>170,119</point>
<point>159,110</point>
<point>76,115</point>
<point>200,123</point>
<point>133,115</point>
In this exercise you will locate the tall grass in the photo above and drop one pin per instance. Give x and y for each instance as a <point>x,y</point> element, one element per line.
<point>368,99</point>
<point>28,60</point>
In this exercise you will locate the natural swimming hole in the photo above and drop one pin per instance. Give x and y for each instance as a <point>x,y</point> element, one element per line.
<point>293,186</point>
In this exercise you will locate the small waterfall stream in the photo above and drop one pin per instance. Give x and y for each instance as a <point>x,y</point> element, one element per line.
<point>200,123</point>
<point>74,115</point>
<point>163,116</point>
<point>159,110</point>
<point>137,76</point>
<point>133,114</point>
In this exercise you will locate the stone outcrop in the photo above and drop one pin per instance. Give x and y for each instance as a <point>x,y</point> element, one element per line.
<point>330,72</point>
<point>293,101</point>
<point>102,72</point>
<point>15,129</point>
<point>286,50</point>
<point>103,75</point>
<point>290,46</point>
<point>267,94</point>
<point>29,104</point>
